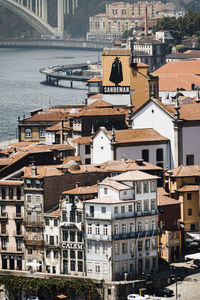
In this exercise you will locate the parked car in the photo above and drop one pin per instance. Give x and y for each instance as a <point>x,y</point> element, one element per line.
<point>33,298</point>
<point>164,292</point>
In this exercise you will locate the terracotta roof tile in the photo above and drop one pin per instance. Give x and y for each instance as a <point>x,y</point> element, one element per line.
<point>96,96</point>
<point>161,191</point>
<point>165,200</point>
<point>189,188</point>
<point>133,176</point>
<point>74,158</point>
<point>105,200</point>
<point>82,140</point>
<point>138,135</point>
<point>114,184</point>
<point>186,171</point>
<point>11,182</point>
<point>81,190</point>
<point>95,79</point>
<point>127,165</point>
<point>100,104</point>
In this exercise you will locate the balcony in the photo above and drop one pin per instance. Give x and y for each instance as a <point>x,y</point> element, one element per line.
<point>31,223</point>
<point>11,250</point>
<point>135,214</point>
<point>98,237</point>
<point>136,234</point>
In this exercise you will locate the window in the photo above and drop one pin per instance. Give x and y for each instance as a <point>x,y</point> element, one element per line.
<point>64,216</point>
<point>124,248</point>
<point>65,253</point>
<point>105,191</point>
<point>145,155</point>
<point>28,132</point>
<point>140,245</point>
<point>139,225</point>
<point>89,267</point>
<point>72,236</point>
<point>122,209</point>
<point>91,211</point>
<point>116,228</point>
<point>97,248</point>
<point>72,253</point>
<point>153,223</point>
<point>130,208</point>
<point>139,206</point>
<point>54,269</point>
<point>97,268</point>
<point>89,247</point>
<point>97,229</point>
<point>116,249</point>
<point>89,228</point>
<point>138,188</point>
<point>3,227</point>
<point>18,210</point>
<point>146,205</point>
<point>116,210</point>
<point>103,209</point>
<point>147,244</point>
<point>105,268</point>
<point>3,209</point>
<point>79,236</point>
<point>125,193</point>
<point>189,159</point>
<point>132,227</point>
<point>79,217</point>
<point>105,248</point>
<point>11,193</point>
<point>42,132</point>
<point>146,187</point>
<point>51,240</point>
<point>55,222</point>
<point>87,161</point>
<point>189,211</point>
<point>3,243</point>
<point>87,149</point>
<point>159,155</point>
<point>65,235</point>
<point>124,228</point>
<point>189,196</point>
<point>28,198</point>
<point>154,245</point>
<point>132,246</point>
<point>47,222</point>
<point>105,229</point>
<point>73,265</point>
<point>153,186</point>
<point>3,193</point>
<point>80,255</point>
<point>153,204</point>
<point>80,266</point>
<point>38,199</point>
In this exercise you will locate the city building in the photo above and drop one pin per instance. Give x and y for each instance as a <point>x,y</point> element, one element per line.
<point>181,75</point>
<point>51,242</point>
<point>121,227</point>
<point>133,85</point>
<point>131,143</point>
<point>184,186</point>
<point>178,123</point>
<point>170,240</point>
<point>11,222</point>
<point>72,229</point>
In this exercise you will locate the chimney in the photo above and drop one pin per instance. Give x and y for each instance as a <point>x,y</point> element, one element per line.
<point>139,161</point>
<point>33,170</point>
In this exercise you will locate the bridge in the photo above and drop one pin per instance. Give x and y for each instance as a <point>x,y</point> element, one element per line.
<point>35,12</point>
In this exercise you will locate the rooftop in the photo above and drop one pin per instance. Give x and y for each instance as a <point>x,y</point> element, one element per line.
<point>82,190</point>
<point>186,171</point>
<point>133,176</point>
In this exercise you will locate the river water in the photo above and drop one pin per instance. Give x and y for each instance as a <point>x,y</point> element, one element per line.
<point>21,90</point>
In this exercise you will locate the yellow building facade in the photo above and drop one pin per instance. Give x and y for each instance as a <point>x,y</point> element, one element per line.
<point>121,76</point>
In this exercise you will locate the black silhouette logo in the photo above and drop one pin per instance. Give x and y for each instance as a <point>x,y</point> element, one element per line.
<point>116,75</point>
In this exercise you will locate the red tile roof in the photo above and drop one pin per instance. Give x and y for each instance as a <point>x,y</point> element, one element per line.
<point>189,188</point>
<point>81,190</point>
<point>82,140</point>
<point>186,171</point>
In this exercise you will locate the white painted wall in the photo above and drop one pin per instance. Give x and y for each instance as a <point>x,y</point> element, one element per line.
<point>152,116</point>
<point>101,148</point>
<point>165,96</point>
<point>135,152</point>
<point>50,137</point>
<point>191,143</point>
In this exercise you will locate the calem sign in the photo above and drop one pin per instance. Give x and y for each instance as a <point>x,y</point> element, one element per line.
<point>116,74</point>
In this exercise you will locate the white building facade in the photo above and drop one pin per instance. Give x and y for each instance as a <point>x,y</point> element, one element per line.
<point>121,227</point>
